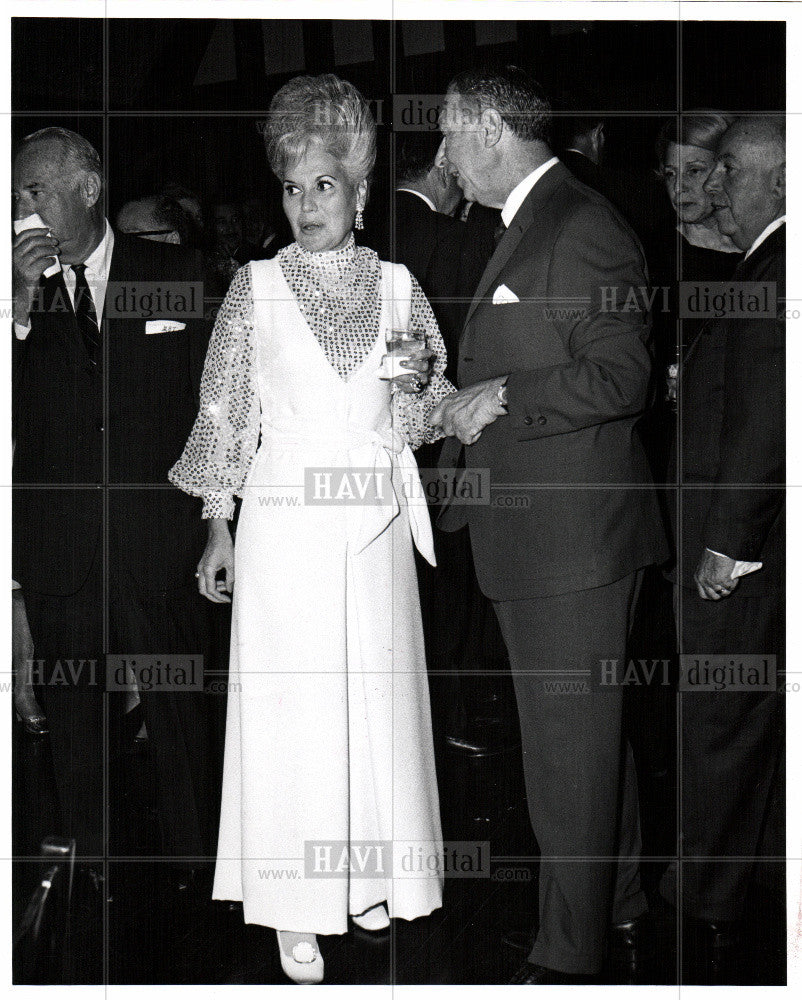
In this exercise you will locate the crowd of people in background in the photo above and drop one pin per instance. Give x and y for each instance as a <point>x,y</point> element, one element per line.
<point>229,231</point>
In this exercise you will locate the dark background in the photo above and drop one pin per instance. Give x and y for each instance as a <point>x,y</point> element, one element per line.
<point>180,100</point>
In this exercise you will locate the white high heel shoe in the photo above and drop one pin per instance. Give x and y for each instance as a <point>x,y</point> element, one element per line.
<point>303,964</point>
<point>374,919</point>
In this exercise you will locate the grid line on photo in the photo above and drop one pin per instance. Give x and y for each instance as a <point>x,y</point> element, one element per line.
<point>678,920</point>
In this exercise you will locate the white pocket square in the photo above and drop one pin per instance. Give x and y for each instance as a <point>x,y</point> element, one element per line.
<point>163,326</point>
<point>503,294</point>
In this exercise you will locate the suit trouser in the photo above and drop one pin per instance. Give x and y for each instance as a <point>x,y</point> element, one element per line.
<point>579,771</point>
<point>731,742</point>
<point>445,589</point>
<point>178,721</point>
<point>65,632</point>
<point>68,639</point>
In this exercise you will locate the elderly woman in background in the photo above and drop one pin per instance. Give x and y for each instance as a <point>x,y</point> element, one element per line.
<point>328,735</point>
<point>692,250</point>
<point>686,154</point>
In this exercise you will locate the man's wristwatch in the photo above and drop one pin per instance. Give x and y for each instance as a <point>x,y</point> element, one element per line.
<point>502,394</point>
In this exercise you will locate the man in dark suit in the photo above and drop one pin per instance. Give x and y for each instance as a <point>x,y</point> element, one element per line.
<point>447,256</point>
<point>154,217</point>
<point>553,375</point>
<point>583,146</point>
<point>106,371</point>
<point>732,542</point>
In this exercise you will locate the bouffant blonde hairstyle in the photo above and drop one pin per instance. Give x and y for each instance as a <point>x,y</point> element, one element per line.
<point>703,129</point>
<point>325,109</point>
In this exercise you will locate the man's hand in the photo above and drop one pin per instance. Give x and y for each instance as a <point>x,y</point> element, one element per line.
<point>218,554</point>
<point>466,413</point>
<point>32,253</point>
<point>713,576</point>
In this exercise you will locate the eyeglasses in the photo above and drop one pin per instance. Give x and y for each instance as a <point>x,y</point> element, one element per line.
<point>149,232</point>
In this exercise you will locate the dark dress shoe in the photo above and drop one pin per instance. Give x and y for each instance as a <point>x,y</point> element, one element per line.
<point>33,725</point>
<point>519,940</point>
<point>629,951</point>
<point>629,946</point>
<point>481,737</point>
<point>539,975</point>
<point>630,937</point>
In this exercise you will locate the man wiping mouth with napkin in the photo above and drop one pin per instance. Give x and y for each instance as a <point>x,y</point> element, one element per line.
<point>104,548</point>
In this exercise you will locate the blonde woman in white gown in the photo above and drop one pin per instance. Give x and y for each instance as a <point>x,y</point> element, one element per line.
<point>328,734</point>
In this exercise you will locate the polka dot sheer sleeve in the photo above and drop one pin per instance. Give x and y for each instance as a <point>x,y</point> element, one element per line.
<point>224,439</point>
<point>411,410</point>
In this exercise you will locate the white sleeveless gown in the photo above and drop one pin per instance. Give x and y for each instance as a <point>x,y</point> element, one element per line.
<point>328,733</point>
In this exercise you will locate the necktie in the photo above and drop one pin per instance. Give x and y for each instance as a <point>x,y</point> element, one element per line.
<point>85,314</point>
<point>499,231</point>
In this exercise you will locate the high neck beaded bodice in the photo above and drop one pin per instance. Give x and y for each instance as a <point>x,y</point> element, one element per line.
<point>337,292</point>
<point>333,263</point>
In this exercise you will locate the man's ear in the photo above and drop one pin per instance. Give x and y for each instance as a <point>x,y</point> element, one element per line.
<point>491,125</point>
<point>778,182</point>
<point>599,137</point>
<point>91,187</point>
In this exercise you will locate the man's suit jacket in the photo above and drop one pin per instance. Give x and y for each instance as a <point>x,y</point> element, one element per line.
<point>628,190</point>
<point>447,257</point>
<point>733,432</point>
<point>79,428</point>
<point>584,169</point>
<point>578,366</point>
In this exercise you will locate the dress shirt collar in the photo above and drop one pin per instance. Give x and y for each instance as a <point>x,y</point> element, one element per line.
<point>765,234</point>
<point>422,196</point>
<point>97,270</point>
<point>97,263</point>
<point>517,196</point>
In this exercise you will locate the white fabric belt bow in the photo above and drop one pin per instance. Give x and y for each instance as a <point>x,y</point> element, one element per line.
<point>378,451</point>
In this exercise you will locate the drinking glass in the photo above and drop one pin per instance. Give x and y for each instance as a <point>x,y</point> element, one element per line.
<point>401,346</point>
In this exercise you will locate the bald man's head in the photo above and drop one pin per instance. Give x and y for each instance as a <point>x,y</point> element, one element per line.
<point>764,135</point>
<point>154,218</point>
<point>747,185</point>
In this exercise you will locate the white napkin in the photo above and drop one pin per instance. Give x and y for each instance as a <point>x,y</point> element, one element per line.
<point>35,222</point>
<point>741,567</point>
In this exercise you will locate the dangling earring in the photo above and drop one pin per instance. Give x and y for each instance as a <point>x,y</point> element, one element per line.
<point>358,221</point>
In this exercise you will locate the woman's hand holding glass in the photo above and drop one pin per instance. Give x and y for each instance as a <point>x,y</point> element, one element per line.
<point>407,363</point>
